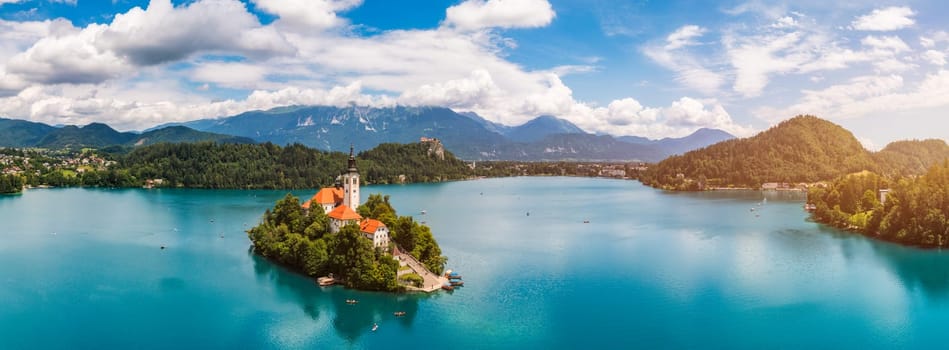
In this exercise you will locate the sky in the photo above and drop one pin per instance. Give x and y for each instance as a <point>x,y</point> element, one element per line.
<point>620,67</point>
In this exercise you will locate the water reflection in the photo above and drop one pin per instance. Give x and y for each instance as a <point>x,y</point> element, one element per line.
<point>349,320</point>
<point>923,270</point>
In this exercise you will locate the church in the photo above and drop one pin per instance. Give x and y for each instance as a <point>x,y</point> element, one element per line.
<point>339,203</point>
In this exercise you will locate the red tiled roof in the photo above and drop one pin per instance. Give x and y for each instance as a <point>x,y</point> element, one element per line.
<point>370,225</point>
<point>343,212</point>
<point>326,195</point>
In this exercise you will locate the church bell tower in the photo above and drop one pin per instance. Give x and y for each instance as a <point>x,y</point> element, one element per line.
<point>351,183</point>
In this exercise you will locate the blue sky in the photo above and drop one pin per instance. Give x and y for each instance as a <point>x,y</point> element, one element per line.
<point>645,68</point>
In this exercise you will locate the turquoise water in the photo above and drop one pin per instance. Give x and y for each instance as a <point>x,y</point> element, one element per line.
<point>83,268</point>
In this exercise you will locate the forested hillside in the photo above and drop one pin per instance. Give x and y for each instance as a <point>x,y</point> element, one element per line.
<point>915,212</point>
<point>803,149</point>
<point>903,158</point>
<point>213,165</point>
<point>413,162</point>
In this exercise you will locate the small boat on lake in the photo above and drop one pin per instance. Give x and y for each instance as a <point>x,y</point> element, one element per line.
<point>457,283</point>
<point>375,326</point>
<point>423,212</point>
<point>448,287</point>
<point>399,313</point>
<point>352,301</point>
<point>325,281</point>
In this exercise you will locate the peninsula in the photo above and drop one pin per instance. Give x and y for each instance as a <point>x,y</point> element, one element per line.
<point>898,194</point>
<point>365,246</point>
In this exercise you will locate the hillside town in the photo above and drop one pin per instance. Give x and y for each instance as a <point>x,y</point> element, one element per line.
<point>41,161</point>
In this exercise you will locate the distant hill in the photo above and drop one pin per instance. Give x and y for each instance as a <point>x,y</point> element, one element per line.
<point>19,133</point>
<point>541,127</point>
<point>467,135</point>
<point>913,157</point>
<point>575,147</point>
<point>183,134</point>
<point>487,124</point>
<point>699,139</point>
<point>22,133</point>
<point>92,135</point>
<point>800,149</point>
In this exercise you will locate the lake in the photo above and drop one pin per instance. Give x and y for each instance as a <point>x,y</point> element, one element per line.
<point>83,268</point>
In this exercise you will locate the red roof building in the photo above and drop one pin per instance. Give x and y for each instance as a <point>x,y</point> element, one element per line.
<point>327,198</point>
<point>376,231</point>
<point>342,216</point>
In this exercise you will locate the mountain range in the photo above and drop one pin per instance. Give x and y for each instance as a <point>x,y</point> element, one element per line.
<point>21,133</point>
<point>467,135</point>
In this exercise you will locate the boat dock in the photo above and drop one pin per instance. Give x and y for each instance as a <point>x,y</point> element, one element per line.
<point>432,282</point>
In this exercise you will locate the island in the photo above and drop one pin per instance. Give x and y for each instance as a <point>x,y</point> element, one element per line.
<point>364,246</point>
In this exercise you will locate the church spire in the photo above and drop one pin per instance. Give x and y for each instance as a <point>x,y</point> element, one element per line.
<point>352,159</point>
<point>351,182</point>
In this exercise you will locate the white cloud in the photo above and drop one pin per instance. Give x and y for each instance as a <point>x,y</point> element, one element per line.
<point>158,34</point>
<point>628,111</point>
<point>474,92</point>
<point>682,117</point>
<point>690,71</point>
<point>935,38</point>
<point>785,22</point>
<point>9,2</point>
<point>479,14</point>
<point>755,58</point>
<point>683,36</point>
<point>71,58</point>
<point>690,112</point>
<point>307,14</point>
<point>867,95</point>
<point>771,11</point>
<point>885,19</point>
<point>231,75</point>
<point>934,57</point>
<point>164,33</point>
<point>885,43</point>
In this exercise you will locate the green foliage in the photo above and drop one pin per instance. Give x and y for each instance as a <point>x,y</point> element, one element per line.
<point>906,158</point>
<point>302,241</point>
<point>848,202</point>
<point>916,210</point>
<point>801,149</point>
<point>417,239</point>
<point>11,184</point>
<point>413,278</point>
<point>379,208</point>
<point>417,162</point>
<point>268,166</point>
